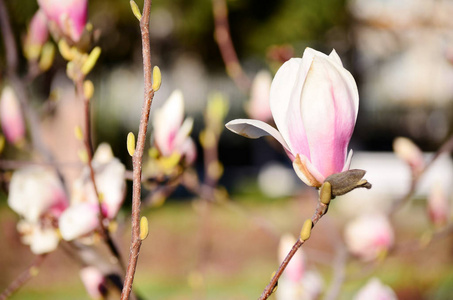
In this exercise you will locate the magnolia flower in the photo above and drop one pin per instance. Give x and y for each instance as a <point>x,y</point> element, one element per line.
<point>406,150</point>
<point>69,15</point>
<point>369,235</point>
<point>42,238</point>
<point>82,217</point>
<point>109,175</point>
<point>11,119</point>
<point>314,103</point>
<point>35,191</point>
<point>375,290</point>
<point>438,208</point>
<point>94,282</point>
<point>37,35</point>
<point>258,108</point>
<point>171,134</point>
<point>297,283</point>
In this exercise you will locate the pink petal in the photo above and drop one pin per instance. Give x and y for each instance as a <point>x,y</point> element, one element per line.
<point>11,119</point>
<point>329,111</point>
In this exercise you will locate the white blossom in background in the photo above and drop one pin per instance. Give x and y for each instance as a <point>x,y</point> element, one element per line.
<point>409,152</point>
<point>296,282</point>
<point>37,195</point>
<point>172,131</point>
<point>258,107</point>
<point>375,290</point>
<point>369,235</point>
<point>82,217</point>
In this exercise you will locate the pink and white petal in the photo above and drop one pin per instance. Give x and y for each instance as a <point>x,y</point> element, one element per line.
<point>347,163</point>
<point>189,150</point>
<point>307,172</point>
<point>79,220</point>
<point>285,104</point>
<point>111,183</point>
<point>167,121</point>
<point>335,58</point>
<point>329,110</point>
<point>254,129</point>
<point>183,132</point>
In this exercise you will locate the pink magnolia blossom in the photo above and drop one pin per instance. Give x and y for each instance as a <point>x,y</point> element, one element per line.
<point>375,290</point>
<point>406,150</point>
<point>314,103</point>
<point>37,35</point>
<point>35,191</point>
<point>438,208</point>
<point>94,282</point>
<point>78,220</point>
<point>171,131</point>
<point>296,282</point>
<point>69,15</point>
<point>109,175</point>
<point>368,235</point>
<point>11,118</point>
<point>258,108</point>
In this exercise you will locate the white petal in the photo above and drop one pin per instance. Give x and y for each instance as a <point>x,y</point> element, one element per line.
<point>254,129</point>
<point>334,57</point>
<point>43,240</point>
<point>78,220</point>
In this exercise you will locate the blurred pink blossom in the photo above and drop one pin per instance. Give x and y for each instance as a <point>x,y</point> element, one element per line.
<point>171,131</point>
<point>11,118</point>
<point>259,108</point>
<point>69,15</point>
<point>35,191</point>
<point>37,35</point>
<point>94,282</point>
<point>314,102</point>
<point>369,235</point>
<point>438,208</point>
<point>375,290</point>
<point>406,150</point>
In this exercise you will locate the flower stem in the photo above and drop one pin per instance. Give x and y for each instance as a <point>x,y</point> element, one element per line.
<point>321,210</point>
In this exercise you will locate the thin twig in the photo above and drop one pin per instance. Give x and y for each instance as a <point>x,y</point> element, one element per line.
<point>26,275</point>
<point>137,158</point>
<point>223,39</point>
<point>321,209</point>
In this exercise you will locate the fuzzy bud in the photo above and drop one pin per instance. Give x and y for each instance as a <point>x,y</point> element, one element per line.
<point>344,182</point>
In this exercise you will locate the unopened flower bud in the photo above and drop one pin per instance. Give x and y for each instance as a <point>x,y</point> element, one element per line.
<point>65,50</point>
<point>78,133</point>
<point>344,182</point>
<point>131,144</point>
<point>325,194</point>
<point>91,60</point>
<point>306,230</point>
<point>406,150</point>
<point>438,206</point>
<point>157,78</point>
<point>47,56</point>
<point>135,10</point>
<point>88,89</point>
<point>37,36</point>
<point>144,229</point>
<point>11,119</point>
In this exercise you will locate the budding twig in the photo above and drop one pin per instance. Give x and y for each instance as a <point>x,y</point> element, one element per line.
<point>137,158</point>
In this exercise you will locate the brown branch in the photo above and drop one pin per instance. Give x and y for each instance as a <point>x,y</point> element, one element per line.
<point>23,277</point>
<point>223,39</point>
<point>137,158</point>
<point>321,209</point>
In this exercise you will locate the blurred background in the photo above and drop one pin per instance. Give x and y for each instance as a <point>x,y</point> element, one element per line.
<point>399,52</point>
